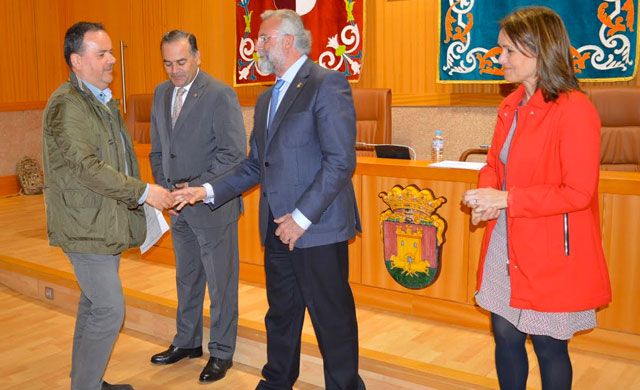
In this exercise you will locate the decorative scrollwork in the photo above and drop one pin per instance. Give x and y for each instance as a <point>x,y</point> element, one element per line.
<point>613,49</point>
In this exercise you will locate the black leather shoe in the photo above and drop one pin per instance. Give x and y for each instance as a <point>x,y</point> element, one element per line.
<point>173,354</point>
<point>215,369</point>
<point>107,386</point>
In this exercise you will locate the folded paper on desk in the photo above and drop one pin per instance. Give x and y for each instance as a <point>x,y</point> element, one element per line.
<point>476,166</point>
<point>156,227</point>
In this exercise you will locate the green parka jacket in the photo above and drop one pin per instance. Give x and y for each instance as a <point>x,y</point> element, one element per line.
<point>91,203</point>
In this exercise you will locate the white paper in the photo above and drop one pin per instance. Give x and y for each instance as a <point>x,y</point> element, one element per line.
<point>476,166</point>
<point>156,227</point>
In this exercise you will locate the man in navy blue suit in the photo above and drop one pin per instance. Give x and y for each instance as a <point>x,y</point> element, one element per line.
<point>303,156</point>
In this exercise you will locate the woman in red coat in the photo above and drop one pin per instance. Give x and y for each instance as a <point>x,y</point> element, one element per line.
<point>542,271</point>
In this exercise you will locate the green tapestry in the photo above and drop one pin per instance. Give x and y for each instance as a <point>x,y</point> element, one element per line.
<point>603,36</point>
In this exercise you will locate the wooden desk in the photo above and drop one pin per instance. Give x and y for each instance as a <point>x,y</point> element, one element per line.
<point>450,298</point>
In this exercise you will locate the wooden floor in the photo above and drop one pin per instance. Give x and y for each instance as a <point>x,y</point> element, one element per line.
<point>460,354</point>
<point>35,345</point>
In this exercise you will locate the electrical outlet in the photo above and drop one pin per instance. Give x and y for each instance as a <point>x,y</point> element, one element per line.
<point>48,293</point>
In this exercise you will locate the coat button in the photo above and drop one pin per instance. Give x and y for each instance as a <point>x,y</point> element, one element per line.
<point>172,155</point>
<point>266,163</point>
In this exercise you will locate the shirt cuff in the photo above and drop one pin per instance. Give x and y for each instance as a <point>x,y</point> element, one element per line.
<point>300,219</point>
<point>210,195</point>
<point>143,198</point>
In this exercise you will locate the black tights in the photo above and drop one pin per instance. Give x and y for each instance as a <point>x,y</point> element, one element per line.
<point>512,363</point>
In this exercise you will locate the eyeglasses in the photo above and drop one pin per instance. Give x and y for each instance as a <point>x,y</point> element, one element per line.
<point>262,39</point>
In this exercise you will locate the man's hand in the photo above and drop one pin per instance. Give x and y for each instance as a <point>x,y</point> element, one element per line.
<point>159,197</point>
<point>288,230</point>
<point>189,195</point>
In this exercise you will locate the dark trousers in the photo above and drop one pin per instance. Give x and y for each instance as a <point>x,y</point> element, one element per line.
<point>512,363</point>
<point>206,255</point>
<point>316,279</point>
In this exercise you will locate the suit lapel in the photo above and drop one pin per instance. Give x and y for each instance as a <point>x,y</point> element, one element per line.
<point>168,93</point>
<point>297,85</point>
<point>260,119</point>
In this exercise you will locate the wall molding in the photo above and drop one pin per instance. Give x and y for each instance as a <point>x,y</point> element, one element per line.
<point>22,106</point>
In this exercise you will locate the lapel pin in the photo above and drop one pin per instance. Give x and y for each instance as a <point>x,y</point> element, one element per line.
<point>299,85</point>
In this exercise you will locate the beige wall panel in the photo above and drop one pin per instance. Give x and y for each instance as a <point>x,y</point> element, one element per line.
<point>452,282</point>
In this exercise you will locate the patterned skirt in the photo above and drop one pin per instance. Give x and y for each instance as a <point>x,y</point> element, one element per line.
<point>495,294</point>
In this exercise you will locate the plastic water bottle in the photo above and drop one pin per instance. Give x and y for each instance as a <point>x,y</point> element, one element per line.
<point>437,146</point>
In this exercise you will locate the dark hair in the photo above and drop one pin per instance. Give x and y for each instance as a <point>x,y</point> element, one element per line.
<point>540,32</point>
<point>176,35</point>
<point>74,38</point>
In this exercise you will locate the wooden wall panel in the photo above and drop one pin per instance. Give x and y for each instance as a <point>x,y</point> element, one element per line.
<point>620,230</point>
<point>51,69</point>
<point>18,44</point>
<point>115,15</point>
<point>251,249</point>
<point>142,55</point>
<point>400,48</point>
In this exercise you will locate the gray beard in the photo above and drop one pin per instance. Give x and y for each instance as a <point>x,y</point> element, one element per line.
<point>266,66</point>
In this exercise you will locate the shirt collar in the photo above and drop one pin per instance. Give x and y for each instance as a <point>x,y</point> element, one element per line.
<point>104,96</point>
<point>289,75</point>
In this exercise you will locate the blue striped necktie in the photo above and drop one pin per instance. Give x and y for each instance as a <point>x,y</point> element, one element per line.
<point>273,104</point>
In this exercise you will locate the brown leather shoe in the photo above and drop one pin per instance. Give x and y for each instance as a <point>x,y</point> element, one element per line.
<point>173,354</point>
<point>122,386</point>
<point>215,369</point>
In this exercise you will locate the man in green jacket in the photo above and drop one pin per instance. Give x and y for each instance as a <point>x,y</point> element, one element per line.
<point>93,196</point>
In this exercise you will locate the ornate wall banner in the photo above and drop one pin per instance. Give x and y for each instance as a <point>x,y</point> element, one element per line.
<point>413,235</point>
<point>603,36</point>
<point>336,26</point>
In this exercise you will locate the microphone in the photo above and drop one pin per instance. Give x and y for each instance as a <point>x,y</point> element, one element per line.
<point>404,152</point>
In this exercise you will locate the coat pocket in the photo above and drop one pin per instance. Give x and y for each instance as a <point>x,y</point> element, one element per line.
<point>558,237</point>
<point>83,211</point>
<point>81,199</point>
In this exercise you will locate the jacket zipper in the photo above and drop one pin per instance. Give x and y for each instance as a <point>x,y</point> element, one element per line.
<point>565,223</point>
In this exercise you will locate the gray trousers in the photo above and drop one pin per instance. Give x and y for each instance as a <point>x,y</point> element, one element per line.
<point>99,318</point>
<point>206,255</point>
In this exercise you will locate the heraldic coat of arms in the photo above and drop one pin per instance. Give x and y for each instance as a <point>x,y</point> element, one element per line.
<point>413,235</point>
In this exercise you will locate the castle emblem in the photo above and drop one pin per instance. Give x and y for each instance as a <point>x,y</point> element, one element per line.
<point>413,235</point>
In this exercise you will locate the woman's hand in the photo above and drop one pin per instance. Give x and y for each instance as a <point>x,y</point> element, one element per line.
<point>483,216</point>
<point>485,203</point>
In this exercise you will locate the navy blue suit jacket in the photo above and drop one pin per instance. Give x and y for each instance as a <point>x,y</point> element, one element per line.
<point>306,160</point>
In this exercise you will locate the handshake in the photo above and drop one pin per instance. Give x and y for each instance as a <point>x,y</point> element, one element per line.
<point>160,198</point>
